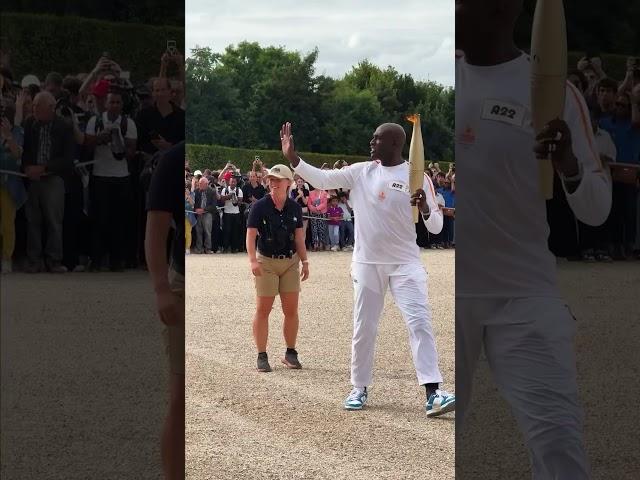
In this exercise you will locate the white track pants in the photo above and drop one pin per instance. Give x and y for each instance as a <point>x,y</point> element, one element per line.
<point>529,345</point>
<point>408,284</point>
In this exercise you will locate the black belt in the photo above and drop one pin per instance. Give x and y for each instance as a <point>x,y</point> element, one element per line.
<point>279,257</point>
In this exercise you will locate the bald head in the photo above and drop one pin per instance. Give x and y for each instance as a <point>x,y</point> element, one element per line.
<point>395,132</point>
<point>44,98</point>
<point>44,107</point>
<point>387,144</point>
<point>203,183</point>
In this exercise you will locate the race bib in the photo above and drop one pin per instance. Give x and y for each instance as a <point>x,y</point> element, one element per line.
<point>505,112</point>
<point>399,186</point>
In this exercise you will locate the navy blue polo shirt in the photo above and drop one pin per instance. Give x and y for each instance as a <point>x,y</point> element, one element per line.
<point>276,228</point>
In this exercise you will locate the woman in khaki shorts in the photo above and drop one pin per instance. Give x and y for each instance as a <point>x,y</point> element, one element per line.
<point>276,222</point>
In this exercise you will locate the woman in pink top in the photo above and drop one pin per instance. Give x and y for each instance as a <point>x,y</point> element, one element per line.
<point>318,200</point>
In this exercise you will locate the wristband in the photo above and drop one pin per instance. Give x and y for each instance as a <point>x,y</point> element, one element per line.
<point>305,261</point>
<point>427,214</point>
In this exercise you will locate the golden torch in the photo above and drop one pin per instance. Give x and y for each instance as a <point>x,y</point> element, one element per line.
<point>416,161</point>
<point>548,74</point>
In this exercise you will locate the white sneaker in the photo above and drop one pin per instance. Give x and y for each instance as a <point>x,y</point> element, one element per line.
<point>440,403</point>
<point>356,399</point>
<point>335,248</point>
<point>6,266</point>
<point>187,252</point>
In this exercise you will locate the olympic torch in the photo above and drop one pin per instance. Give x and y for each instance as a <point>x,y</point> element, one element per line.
<point>548,74</point>
<point>416,161</point>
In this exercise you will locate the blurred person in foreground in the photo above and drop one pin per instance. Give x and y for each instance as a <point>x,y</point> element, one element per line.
<point>507,298</point>
<point>165,212</point>
<point>12,191</point>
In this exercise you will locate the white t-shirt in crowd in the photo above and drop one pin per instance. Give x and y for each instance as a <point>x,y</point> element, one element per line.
<point>106,165</point>
<point>346,214</point>
<point>501,223</point>
<point>605,145</point>
<point>384,228</point>
<point>229,207</point>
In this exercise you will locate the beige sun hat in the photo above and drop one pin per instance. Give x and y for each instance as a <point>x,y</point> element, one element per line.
<point>280,171</point>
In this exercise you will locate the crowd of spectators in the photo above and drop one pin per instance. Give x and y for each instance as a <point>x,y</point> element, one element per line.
<point>77,152</point>
<point>217,205</point>
<point>614,108</point>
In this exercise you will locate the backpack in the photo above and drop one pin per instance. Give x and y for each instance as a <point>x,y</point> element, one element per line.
<point>227,191</point>
<point>124,124</point>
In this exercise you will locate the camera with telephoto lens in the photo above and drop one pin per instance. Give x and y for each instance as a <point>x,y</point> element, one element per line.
<point>117,144</point>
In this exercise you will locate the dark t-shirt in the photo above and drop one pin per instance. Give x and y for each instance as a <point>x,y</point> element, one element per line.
<point>258,192</point>
<point>294,195</point>
<point>149,121</point>
<point>166,194</point>
<point>276,229</point>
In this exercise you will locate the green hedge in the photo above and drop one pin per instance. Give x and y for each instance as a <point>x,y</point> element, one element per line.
<point>69,45</point>
<point>215,157</point>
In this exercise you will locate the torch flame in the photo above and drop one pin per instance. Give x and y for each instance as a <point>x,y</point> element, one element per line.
<point>413,118</point>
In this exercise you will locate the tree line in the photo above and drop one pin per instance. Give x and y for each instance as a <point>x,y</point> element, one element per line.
<point>239,98</point>
<point>593,26</point>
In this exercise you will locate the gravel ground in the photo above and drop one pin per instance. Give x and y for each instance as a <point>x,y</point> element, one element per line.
<point>290,424</point>
<point>83,377</point>
<point>604,299</point>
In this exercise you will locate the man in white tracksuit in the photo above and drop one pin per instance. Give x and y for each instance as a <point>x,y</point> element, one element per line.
<point>385,256</point>
<point>507,299</point>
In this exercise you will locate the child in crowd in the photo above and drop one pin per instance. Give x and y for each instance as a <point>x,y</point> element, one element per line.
<point>334,213</point>
<point>12,192</point>
<point>346,224</point>
<point>189,217</point>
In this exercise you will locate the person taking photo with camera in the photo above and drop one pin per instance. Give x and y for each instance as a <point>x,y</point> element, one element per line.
<point>111,139</point>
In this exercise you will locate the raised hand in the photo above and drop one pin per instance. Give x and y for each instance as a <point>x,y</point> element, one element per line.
<point>288,148</point>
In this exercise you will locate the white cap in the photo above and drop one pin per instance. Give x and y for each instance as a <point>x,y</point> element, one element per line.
<point>197,172</point>
<point>29,80</point>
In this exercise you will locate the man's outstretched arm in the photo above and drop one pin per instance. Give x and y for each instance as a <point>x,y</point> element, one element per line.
<point>323,179</point>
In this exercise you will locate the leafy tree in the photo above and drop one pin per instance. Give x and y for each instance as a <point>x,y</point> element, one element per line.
<point>240,98</point>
